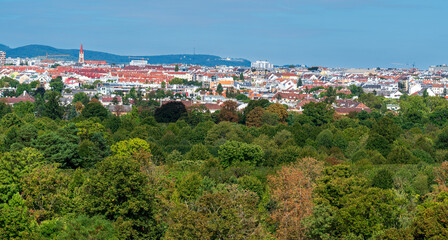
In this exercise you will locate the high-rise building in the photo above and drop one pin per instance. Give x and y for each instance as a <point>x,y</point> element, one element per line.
<point>81,55</point>
<point>439,68</point>
<point>262,65</point>
<point>2,58</point>
<point>139,63</point>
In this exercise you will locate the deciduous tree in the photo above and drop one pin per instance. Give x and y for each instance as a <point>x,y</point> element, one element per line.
<point>170,112</point>
<point>56,84</point>
<point>441,177</point>
<point>233,152</point>
<point>81,97</point>
<point>13,167</point>
<point>120,190</point>
<point>95,109</point>
<point>198,152</point>
<point>228,112</point>
<point>15,221</point>
<point>431,219</point>
<point>255,117</point>
<point>280,110</point>
<point>292,189</point>
<point>319,113</point>
<point>46,192</point>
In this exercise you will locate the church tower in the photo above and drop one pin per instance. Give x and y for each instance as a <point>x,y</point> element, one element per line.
<point>81,55</point>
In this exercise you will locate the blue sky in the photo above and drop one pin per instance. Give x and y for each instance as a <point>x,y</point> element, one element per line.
<point>333,33</point>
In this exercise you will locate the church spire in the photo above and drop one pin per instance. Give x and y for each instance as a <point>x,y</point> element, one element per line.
<point>81,55</point>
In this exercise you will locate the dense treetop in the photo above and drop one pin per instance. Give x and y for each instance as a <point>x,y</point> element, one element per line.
<point>171,172</point>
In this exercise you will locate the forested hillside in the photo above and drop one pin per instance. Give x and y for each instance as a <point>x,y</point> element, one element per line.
<point>32,51</point>
<point>170,172</point>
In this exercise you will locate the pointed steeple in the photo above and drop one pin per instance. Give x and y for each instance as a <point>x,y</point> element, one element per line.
<point>81,55</point>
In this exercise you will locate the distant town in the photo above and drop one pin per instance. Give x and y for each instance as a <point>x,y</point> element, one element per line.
<point>294,86</point>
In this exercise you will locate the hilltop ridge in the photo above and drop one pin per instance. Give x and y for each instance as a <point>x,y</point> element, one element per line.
<point>35,50</point>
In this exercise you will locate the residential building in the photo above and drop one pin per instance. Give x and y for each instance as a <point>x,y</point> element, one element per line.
<point>393,107</point>
<point>139,63</point>
<point>345,106</point>
<point>439,68</point>
<point>22,98</point>
<point>2,58</point>
<point>262,65</point>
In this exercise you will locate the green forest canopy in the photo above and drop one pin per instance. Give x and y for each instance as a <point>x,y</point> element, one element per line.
<point>79,172</point>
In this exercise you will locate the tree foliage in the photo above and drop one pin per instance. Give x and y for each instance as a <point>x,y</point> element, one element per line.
<point>237,152</point>
<point>292,188</point>
<point>170,112</point>
<point>228,112</point>
<point>121,191</point>
<point>318,113</point>
<point>79,172</point>
<point>52,108</point>
<point>56,84</point>
<point>255,117</point>
<point>94,109</point>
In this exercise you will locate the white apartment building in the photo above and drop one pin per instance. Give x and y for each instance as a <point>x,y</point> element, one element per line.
<point>262,65</point>
<point>139,63</point>
<point>2,58</point>
<point>439,68</point>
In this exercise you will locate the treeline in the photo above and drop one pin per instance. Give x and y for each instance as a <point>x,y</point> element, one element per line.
<point>261,173</point>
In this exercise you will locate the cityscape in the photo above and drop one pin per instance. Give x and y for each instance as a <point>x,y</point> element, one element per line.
<point>225,119</point>
<point>293,86</point>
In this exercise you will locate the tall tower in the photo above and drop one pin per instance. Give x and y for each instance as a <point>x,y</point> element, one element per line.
<point>81,55</point>
<point>2,58</point>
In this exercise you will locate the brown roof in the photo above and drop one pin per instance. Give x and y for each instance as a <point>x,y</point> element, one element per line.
<point>22,98</point>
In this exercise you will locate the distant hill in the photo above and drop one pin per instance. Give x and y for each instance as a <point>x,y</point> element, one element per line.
<point>31,51</point>
<point>4,48</point>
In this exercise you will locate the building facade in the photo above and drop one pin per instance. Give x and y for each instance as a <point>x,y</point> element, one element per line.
<point>439,68</point>
<point>140,63</point>
<point>2,58</point>
<point>262,65</point>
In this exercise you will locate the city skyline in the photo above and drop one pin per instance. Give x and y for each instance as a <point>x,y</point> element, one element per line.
<point>339,33</point>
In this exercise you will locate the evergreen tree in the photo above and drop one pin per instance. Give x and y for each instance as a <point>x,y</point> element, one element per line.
<point>56,84</point>
<point>170,112</point>
<point>81,97</point>
<point>219,89</point>
<point>53,109</point>
<point>4,109</point>
<point>95,109</point>
<point>39,91</point>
